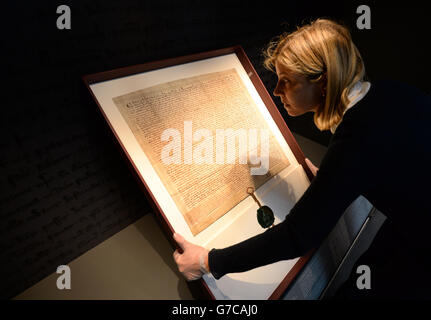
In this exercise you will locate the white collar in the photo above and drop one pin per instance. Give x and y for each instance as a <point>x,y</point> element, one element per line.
<point>356,93</point>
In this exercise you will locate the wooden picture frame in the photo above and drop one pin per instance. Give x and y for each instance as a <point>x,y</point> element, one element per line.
<point>105,86</point>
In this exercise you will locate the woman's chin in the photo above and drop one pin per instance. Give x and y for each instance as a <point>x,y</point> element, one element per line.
<point>291,112</point>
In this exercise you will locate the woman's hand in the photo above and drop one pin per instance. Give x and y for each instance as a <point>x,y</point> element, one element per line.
<point>312,167</point>
<point>193,262</point>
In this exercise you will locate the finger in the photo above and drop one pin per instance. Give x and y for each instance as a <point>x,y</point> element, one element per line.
<point>309,163</point>
<point>180,240</point>
<point>176,255</point>
<point>312,167</point>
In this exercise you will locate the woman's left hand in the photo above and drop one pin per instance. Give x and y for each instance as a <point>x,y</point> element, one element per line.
<point>193,262</point>
<point>312,167</point>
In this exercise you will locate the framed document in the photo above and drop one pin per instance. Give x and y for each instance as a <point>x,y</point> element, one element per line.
<point>210,149</point>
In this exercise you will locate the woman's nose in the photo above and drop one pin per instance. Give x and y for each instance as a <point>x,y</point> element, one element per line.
<point>276,90</point>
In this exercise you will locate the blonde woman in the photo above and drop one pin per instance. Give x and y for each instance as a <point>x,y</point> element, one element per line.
<point>381,140</point>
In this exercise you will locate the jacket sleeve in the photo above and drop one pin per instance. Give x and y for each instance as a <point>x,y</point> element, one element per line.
<point>336,185</point>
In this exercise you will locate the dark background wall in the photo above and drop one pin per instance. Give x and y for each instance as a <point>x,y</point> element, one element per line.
<point>64,188</point>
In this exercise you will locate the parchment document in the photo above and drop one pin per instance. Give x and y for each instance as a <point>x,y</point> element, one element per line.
<point>189,114</point>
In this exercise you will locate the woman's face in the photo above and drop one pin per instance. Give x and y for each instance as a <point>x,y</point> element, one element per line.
<point>298,94</point>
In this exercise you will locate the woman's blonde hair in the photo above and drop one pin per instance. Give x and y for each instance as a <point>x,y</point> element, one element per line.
<point>321,49</point>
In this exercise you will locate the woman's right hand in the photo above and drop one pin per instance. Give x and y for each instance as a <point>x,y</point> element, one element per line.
<point>312,167</point>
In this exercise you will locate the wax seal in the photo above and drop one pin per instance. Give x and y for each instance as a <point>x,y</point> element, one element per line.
<point>265,216</point>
